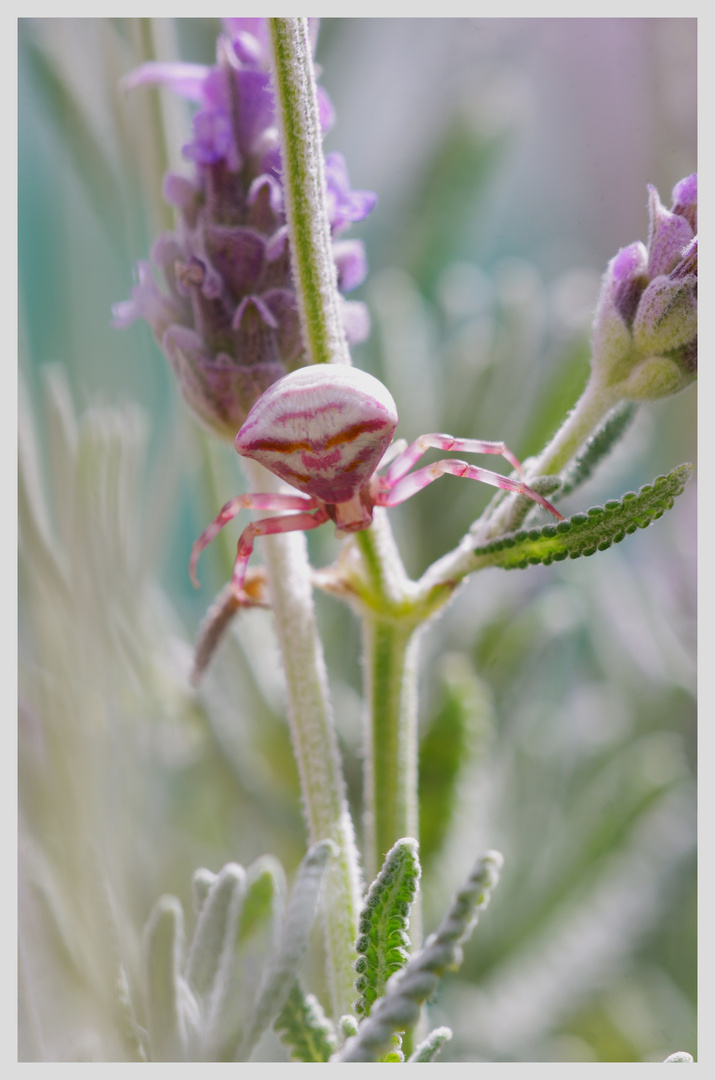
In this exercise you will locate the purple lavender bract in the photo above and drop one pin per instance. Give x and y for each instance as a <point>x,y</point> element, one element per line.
<point>227,317</point>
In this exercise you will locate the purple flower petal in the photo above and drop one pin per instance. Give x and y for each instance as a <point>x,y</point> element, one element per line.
<point>186,79</point>
<point>245,317</point>
<point>356,320</point>
<point>668,235</point>
<point>629,272</point>
<point>344,205</point>
<point>685,200</point>
<point>326,111</point>
<point>351,262</point>
<point>284,308</point>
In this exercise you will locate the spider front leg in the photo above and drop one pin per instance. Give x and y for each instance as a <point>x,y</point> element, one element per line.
<point>409,457</point>
<point>313,514</point>
<point>393,491</point>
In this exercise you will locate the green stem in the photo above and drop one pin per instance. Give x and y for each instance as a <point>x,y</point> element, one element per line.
<point>390,650</point>
<point>304,189</point>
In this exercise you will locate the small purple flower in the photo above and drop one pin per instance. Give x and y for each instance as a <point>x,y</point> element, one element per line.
<point>226,315</point>
<point>645,326</point>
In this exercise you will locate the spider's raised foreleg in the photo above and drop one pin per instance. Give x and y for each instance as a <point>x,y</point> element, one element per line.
<point>409,485</point>
<point>409,457</point>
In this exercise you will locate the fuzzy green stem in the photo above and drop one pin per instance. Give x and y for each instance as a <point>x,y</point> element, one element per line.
<point>390,650</point>
<point>579,425</point>
<point>315,744</point>
<point>304,189</point>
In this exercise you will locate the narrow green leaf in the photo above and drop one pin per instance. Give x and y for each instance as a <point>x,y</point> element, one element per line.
<point>383,943</point>
<point>201,883</point>
<point>257,928</point>
<point>452,740</point>
<point>428,1050</point>
<point>304,1028</point>
<point>211,952</point>
<point>281,971</point>
<point>172,1012</point>
<point>265,889</point>
<point>586,533</point>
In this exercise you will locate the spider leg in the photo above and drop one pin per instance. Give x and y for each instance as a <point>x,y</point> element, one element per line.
<point>407,486</point>
<point>311,519</point>
<point>273,501</point>
<point>409,457</point>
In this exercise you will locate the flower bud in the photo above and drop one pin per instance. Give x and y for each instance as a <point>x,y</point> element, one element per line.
<point>645,327</point>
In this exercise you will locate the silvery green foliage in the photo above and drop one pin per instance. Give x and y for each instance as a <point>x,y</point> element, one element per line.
<point>398,1009</point>
<point>431,1046</point>
<point>213,1000</point>
<point>679,1055</point>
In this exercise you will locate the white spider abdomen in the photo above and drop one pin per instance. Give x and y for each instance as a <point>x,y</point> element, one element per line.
<point>322,428</point>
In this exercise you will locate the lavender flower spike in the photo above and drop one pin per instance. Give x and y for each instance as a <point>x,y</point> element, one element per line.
<point>226,315</point>
<point>645,342</point>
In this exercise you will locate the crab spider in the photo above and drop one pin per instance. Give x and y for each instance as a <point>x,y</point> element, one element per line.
<point>326,429</point>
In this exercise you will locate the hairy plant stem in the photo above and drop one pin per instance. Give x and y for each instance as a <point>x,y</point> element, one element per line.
<point>304,189</point>
<point>390,652</point>
<point>579,425</point>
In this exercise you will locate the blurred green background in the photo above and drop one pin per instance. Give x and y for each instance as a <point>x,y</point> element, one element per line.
<point>511,158</point>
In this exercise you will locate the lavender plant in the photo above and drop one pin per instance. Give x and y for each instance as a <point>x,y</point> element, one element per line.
<point>247,303</point>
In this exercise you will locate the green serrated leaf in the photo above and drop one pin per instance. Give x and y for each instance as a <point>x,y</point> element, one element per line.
<point>589,532</point>
<point>383,943</point>
<point>428,1050</point>
<point>304,1028</point>
<point>395,1054</point>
